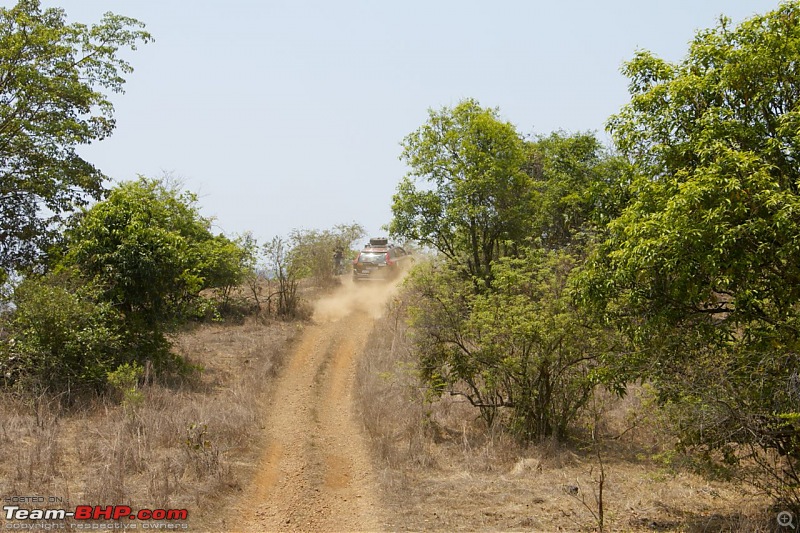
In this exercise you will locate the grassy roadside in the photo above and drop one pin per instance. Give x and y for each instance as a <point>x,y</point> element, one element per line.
<point>191,444</point>
<point>441,470</point>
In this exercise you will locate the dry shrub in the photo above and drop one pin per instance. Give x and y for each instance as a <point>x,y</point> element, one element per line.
<point>39,459</point>
<point>187,443</point>
<point>391,404</point>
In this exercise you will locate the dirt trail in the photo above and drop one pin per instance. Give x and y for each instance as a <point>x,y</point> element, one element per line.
<point>315,474</point>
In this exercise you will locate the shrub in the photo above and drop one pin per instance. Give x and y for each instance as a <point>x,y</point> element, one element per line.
<point>149,250</point>
<point>61,336</point>
<point>522,346</point>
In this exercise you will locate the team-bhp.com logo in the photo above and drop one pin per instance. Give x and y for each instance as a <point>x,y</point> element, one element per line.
<point>164,517</point>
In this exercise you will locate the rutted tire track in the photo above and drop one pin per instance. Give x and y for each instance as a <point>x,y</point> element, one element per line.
<point>315,473</point>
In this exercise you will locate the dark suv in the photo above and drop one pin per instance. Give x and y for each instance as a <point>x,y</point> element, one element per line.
<point>379,260</point>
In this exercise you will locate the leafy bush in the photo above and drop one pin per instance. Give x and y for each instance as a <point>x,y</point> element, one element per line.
<point>125,381</point>
<point>152,254</point>
<point>522,346</point>
<point>131,271</point>
<point>61,335</point>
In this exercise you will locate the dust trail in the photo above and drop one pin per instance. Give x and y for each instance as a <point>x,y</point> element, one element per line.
<point>368,297</point>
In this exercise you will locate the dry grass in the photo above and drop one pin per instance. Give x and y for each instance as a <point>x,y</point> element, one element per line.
<point>441,470</point>
<point>195,444</point>
<point>184,445</point>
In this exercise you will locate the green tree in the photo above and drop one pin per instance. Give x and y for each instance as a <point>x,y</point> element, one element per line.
<point>475,197</point>
<point>580,187</point>
<point>152,253</point>
<point>703,266</point>
<point>53,82</point>
<point>226,265</point>
<point>523,346</point>
<point>518,216</point>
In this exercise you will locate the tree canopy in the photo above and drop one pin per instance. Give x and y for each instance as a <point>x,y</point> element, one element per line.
<point>712,233</point>
<point>494,319</point>
<point>580,184</point>
<point>703,265</point>
<point>150,249</point>
<point>474,196</point>
<point>714,227</point>
<point>54,80</point>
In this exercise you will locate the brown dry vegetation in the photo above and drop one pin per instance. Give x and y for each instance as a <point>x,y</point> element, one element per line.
<point>190,444</point>
<point>441,470</point>
<point>197,444</point>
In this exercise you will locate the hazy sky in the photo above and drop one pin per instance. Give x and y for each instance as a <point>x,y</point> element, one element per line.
<point>289,114</point>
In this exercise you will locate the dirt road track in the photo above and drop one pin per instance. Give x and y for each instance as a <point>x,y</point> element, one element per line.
<point>315,474</point>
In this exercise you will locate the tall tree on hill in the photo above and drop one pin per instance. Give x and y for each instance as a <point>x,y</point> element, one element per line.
<point>703,266</point>
<point>54,78</point>
<point>467,194</point>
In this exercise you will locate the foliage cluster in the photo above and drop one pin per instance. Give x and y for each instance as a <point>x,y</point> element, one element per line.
<point>473,205</point>
<point>53,82</point>
<point>151,251</point>
<point>674,262</point>
<point>494,318</point>
<point>523,346</point>
<point>129,271</point>
<point>61,334</point>
<point>701,267</point>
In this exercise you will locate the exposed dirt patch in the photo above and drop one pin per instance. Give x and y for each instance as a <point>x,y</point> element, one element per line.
<point>316,473</point>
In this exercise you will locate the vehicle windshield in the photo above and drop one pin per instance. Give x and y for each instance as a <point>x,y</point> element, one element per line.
<point>372,257</point>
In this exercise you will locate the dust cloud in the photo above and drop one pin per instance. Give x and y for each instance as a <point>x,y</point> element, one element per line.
<point>368,297</point>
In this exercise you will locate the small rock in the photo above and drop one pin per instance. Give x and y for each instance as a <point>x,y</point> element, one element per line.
<point>572,490</point>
